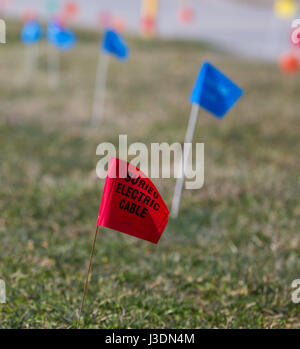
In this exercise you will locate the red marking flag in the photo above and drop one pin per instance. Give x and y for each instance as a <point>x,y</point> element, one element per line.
<point>131,203</point>
<point>289,63</point>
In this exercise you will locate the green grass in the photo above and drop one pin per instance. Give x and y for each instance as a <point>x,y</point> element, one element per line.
<point>230,258</point>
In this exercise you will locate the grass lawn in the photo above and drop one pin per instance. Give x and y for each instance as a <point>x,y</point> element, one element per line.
<point>230,258</point>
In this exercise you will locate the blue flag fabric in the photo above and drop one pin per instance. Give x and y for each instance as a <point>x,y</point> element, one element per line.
<point>113,43</point>
<point>65,40</point>
<point>31,32</point>
<point>214,91</point>
<point>53,29</point>
<point>62,38</point>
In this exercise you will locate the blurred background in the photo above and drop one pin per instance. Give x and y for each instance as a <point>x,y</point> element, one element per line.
<point>229,259</point>
<point>249,28</point>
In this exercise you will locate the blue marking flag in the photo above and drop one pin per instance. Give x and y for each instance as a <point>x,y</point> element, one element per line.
<point>53,29</point>
<point>31,32</point>
<point>65,40</point>
<point>214,91</point>
<point>62,38</point>
<point>113,43</point>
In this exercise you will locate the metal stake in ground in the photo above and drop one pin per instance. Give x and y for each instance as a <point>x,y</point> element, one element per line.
<point>88,274</point>
<point>53,57</point>
<point>100,87</point>
<point>31,60</point>
<point>187,145</point>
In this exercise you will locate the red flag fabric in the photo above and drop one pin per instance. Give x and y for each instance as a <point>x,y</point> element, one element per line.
<point>131,204</point>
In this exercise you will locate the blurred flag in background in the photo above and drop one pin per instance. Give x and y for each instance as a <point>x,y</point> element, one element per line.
<point>113,43</point>
<point>149,17</point>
